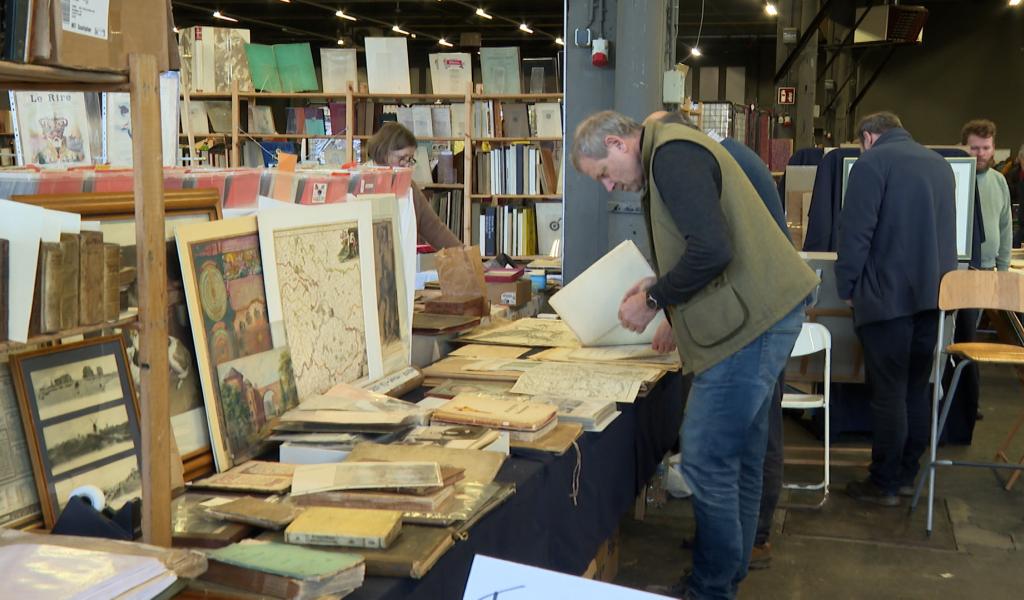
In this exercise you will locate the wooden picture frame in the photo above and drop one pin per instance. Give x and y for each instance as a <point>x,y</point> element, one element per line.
<point>57,409</point>
<point>116,213</point>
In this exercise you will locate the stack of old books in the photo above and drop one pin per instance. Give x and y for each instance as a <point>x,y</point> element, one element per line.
<point>526,421</point>
<point>326,427</point>
<point>402,486</point>
<point>470,437</point>
<point>275,570</point>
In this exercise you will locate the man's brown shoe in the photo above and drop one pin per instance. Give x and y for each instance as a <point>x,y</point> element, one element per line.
<point>761,556</point>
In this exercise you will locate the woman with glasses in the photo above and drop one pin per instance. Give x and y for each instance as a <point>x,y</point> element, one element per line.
<point>395,146</point>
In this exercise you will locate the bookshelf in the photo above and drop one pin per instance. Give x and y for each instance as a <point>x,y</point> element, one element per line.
<point>471,143</point>
<point>142,82</point>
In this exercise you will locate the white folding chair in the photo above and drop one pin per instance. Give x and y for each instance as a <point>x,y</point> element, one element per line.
<point>814,338</point>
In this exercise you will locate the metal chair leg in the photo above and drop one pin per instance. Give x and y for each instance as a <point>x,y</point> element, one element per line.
<point>936,428</point>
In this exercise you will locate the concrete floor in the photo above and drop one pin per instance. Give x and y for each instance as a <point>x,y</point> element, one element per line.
<point>848,550</point>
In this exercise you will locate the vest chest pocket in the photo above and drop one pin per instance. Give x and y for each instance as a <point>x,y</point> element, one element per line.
<point>715,315</point>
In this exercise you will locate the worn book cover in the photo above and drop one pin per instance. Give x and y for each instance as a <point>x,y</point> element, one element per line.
<point>353,527</point>
<point>46,305</point>
<point>430,502</point>
<point>253,511</point>
<point>516,120</point>
<point>412,554</point>
<point>479,466</point>
<point>192,527</point>
<point>111,282</point>
<point>278,570</point>
<point>350,475</point>
<point>4,288</point>
<point>452,436</point>
<point>70,264</point>
<point>493,412</point>
<point>90,270</point>
<point>252,476</point>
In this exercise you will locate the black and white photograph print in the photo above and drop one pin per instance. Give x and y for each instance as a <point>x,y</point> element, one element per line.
<point>88,439</point>
<point>75,386</point>
<point>81,420</point>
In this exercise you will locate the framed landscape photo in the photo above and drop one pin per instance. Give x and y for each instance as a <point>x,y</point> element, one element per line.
<point>81,421</point>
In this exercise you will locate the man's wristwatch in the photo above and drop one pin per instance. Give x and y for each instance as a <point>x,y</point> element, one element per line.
<point>651,302</point>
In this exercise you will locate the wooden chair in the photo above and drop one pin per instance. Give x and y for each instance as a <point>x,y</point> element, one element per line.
<point>979,290</point>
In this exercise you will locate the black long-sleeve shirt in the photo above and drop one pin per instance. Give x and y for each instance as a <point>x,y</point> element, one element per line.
<point>690,183</point>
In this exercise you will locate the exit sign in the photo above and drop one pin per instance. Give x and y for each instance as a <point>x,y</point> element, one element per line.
<point>787,95</point>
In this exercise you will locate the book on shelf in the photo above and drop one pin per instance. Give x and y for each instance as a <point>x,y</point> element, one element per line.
<point>422,121</point>
<point>549,226</point>
<point>339,69</point>
<point>261,119</point>
<point>441,120</point>
<point>315,121</point>
<point>350,527</point>
<point>451,72</point>
<point>214,58</point>
<point>387,65</point>
<point>515,120</point>
<point>282,67</point>
<point>337,113</point>
<point>111,282</point>
<point>547,119</point>
<point>500,70</point>
<point>514,169</point>
<point>458,114</point>
<point>197,118</point>
<point>219,112</point>
<point>278,570</point>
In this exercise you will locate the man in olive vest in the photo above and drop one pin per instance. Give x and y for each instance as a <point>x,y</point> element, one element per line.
<point>734,288</point>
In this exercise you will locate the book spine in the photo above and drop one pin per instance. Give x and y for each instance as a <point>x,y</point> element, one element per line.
<point>4,288</point>
<point>48,289</point>
<point>90,271</point>
<point>111,282</point>
<point>322,539</point>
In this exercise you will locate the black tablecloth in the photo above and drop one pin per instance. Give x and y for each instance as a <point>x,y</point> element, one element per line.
<point>541,525</point>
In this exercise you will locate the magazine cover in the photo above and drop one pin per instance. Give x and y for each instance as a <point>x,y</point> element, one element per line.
<point>53,128</point>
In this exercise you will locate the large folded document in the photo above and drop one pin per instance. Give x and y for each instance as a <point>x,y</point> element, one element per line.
<point>589,305</point>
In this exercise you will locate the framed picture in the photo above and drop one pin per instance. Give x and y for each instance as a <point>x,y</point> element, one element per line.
<point>52,128</point>
<point>222,272</point>
<point>81,421</point>
<point>19,500</point>
<point>965,175</point>
<point>320,285</point>
<point>116,213</point>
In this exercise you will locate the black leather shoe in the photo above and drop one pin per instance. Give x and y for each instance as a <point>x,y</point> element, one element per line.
<point>867,491</point>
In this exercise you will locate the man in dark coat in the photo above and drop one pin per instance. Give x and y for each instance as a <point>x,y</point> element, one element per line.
<point>897,238</point>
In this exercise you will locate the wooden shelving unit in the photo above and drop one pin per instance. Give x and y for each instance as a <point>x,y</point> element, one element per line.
<point>143,83</point>
<point>126,319</point>
<point>470,143</point>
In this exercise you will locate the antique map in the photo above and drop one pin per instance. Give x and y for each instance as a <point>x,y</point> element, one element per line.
<point>320,282</point>
<point>543,333</point>
<point>581,382</point>
<point>18,499</point>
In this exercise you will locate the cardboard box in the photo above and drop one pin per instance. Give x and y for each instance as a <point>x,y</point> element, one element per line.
<point>458,305</point>
<point>516,293</point>
<point>97,40</point>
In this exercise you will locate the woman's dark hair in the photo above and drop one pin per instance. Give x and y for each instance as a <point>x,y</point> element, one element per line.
<point>390,137</point>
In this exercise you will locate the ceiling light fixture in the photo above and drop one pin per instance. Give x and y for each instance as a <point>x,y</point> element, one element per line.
<point>217,15</point>
<point>1015,2</point>
<point>445,43</point>
<point>695,52</point>
<point>398,29</point>
<point>559,41</point>
<point>525,27</point>
<point>481,13</point>
<point>341,15</point>
<point>341,42</point>
<point>771,10</point>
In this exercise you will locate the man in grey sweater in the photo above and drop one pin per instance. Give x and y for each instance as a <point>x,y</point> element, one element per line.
<point>979,136</point>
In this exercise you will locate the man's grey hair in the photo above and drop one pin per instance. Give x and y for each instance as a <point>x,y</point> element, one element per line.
<point>878,122</point>
<point>588,141</point>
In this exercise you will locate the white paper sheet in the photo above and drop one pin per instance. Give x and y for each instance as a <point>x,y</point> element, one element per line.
<point>491,578</point>
<point>589,305</point>
<point>338,66</point>
<point>387,65</point>
<point>451,72</point>
<point>23,226</point>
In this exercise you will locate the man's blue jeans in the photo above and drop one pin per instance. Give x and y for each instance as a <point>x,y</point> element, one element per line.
<point>724,436</point>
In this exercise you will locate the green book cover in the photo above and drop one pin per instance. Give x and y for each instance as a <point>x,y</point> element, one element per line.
<point>295,65</point>
<point>263,67</point>
<point>286,560</point>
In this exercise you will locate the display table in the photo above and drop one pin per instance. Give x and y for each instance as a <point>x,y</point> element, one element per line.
<point>540,525</point>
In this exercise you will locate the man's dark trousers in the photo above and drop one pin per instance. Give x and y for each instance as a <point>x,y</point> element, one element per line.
<point>898,356</point>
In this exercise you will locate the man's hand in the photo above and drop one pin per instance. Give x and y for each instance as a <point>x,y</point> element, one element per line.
<point>664,341</point>
<point>640,286</point>
<point>634,314</point>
